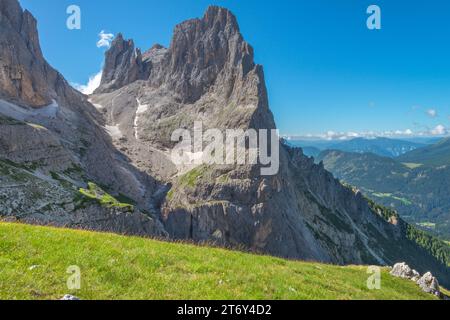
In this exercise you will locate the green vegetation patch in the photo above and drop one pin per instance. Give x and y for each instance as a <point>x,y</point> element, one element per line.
<point>170,194</point>
<point>427,225</point>
<point>192,177</point>
<point>439,249</point>
<point>74,171</point>
<point>412,165</point>
<point>97,194</point>
<point>435,247</point>
<point>384,212</point>
<point>391,196</point>
<point>29,166</point>
<point>118,267</point>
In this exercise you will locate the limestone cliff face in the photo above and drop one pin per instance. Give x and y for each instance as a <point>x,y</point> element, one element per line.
<point>24,75</point>
<point>51,142</point>
<point>28,143</point>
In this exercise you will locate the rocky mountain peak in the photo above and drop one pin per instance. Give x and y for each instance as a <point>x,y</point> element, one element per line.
<point>204,52</point>
<point>51,137</point>
<point>154,55</point>
<point>206,74</point>
<point>216,20</point>
<point>12,16</point>
<point>123,65</point>
<point>121,44</point>
<point>220,17</point>
<point>11,11</point>
<point>157,46</point>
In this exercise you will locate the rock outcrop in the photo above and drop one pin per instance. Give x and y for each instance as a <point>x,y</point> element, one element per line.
<point>203,54</point>
<point>123,65</point>
<point>402,270</point>
<point>32,144</point>
<point>429,284</point>
<point>25,77</point>
<point>69,297</point>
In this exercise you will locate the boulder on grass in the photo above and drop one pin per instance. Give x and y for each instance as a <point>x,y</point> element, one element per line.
<point>69,297</point>
<point>429,284</point>
<point>402,270</point>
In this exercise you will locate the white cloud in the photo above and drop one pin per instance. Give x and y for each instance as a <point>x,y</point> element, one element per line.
<point>439,130</point>
<point>332,135</point>
<point>432,113</point>
<point>105,39</point>
<point>93,83</point>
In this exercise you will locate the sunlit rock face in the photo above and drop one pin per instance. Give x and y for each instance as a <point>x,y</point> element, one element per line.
<point>24,75</point>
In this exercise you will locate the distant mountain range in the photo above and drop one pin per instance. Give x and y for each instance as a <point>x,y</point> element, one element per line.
<point>380,146</point>
<point>385,147</point>
<point>416,183</point>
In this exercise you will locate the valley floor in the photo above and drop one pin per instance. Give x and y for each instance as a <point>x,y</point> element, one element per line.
<point>34,263</point>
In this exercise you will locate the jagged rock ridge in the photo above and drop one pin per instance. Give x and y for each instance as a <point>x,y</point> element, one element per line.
<point>123,65</point>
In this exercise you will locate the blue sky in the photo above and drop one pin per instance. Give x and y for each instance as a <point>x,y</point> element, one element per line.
<point>325,71</point>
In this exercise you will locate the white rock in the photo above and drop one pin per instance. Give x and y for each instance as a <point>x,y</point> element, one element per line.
<point>429,284</point>
<point>402,270</point>
<point>69,297</point>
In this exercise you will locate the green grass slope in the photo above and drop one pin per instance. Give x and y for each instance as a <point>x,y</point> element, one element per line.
<point>34,262</point>
<point>435,155</point>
